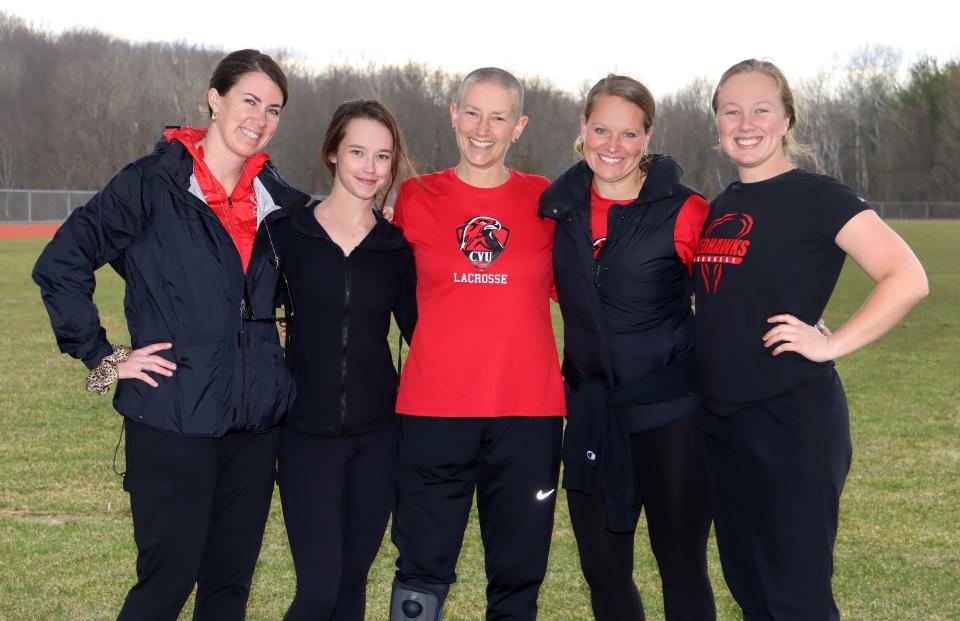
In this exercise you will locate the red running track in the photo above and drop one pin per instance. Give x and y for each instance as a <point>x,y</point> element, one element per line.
<point>28,231</point>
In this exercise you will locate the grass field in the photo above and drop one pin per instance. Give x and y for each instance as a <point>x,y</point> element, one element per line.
<point>66,548</point>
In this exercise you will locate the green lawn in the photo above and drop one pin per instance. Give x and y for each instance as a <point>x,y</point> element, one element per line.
<point>66,549</point>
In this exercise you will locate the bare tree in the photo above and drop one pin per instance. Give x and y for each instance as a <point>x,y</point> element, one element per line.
<point>81,104</point>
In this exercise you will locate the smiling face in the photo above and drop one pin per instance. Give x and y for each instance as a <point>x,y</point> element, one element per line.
<point>248,114</point>
<point>486,123</point>
<point>363,159</point>
<point>752,123</point>
<point>614,142</point>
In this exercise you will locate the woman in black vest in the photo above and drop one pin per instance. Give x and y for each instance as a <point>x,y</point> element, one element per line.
<point>625,238</point>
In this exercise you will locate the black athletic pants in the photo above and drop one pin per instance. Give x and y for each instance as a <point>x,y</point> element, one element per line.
<point>337,493</point>
<point>777,469</point>
<point>671,486</point>
<point>513,464</point>
<point>199,507</point>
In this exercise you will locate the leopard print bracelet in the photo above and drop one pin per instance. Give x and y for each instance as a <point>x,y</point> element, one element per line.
<point>105,373</point>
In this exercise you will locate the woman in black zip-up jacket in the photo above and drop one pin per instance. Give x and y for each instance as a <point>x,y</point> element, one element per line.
<point>204,384</point>
<point>346,270</point>
<point>624,243</point>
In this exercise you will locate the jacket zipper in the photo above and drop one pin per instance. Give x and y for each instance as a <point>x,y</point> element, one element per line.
<point>578,222</point>
<point>343,352</point>
<point>243,357</point>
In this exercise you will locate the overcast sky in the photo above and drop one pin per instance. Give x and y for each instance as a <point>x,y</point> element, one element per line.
<point>665,44</point>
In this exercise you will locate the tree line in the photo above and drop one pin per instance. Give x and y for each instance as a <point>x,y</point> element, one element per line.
<point>79,105</point>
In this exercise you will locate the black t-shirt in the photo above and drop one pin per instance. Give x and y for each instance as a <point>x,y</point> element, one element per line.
<point>767,248</point>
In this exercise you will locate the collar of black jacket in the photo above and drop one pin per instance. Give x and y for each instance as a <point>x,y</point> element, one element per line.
<point>176,165</point>
<point>383,236</point>
<point>571,190</point>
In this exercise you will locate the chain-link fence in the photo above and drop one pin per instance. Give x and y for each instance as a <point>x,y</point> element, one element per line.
<point>39,206</point>
<point>918,210</point>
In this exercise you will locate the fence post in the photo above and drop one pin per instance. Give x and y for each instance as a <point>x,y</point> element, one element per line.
<point>66,200</point>
<point>30,207</point>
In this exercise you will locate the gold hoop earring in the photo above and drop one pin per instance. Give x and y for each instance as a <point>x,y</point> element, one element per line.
<point>213,116</point>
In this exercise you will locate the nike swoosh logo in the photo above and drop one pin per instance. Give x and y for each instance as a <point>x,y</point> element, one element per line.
<point>542,495</point>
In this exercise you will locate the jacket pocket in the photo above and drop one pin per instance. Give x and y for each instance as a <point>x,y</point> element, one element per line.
<point>205,376</point>
<point>268,384</point>
<point>150,498</point>
<point>143,403</point>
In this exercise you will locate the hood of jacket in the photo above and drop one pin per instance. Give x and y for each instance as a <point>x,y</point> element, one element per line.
<point>382,237</point>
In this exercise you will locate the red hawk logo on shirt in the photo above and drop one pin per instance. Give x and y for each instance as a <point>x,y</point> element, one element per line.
<point>482,240</point>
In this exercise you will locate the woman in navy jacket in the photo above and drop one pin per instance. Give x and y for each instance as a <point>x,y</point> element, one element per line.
<point>625,238</point>
<point>205,382</point>
<point>346,270</point>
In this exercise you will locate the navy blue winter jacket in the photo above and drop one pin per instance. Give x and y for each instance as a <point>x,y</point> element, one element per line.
<point>185,285</point>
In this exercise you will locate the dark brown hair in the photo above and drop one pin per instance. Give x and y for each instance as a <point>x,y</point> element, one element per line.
<point>628,89</point>
<point>375,111</point>
<point>237,64</point>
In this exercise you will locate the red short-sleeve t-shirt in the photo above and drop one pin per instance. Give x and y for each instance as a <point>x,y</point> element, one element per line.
<point>484,344</point>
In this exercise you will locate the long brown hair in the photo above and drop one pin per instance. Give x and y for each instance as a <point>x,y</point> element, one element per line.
<point>375,111</point>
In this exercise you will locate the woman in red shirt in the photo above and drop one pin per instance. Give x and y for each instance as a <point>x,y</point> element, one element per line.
<point>481,396</point>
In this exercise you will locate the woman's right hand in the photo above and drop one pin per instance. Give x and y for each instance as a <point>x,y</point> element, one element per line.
<point>143,360</point>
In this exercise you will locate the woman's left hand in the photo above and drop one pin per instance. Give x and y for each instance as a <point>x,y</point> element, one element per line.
<point>791,334</point>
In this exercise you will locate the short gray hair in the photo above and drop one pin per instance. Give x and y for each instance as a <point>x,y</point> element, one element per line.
<point>498,76</point>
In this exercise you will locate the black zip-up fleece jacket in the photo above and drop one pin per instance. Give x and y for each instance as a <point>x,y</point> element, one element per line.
<point>337,344</point>
<point>185,285</point>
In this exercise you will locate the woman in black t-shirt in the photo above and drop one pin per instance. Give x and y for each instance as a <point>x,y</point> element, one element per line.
<point>778,434</point>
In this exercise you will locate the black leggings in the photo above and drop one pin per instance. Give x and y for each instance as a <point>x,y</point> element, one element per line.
<point>337,493</point>
<point>672,489</point>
